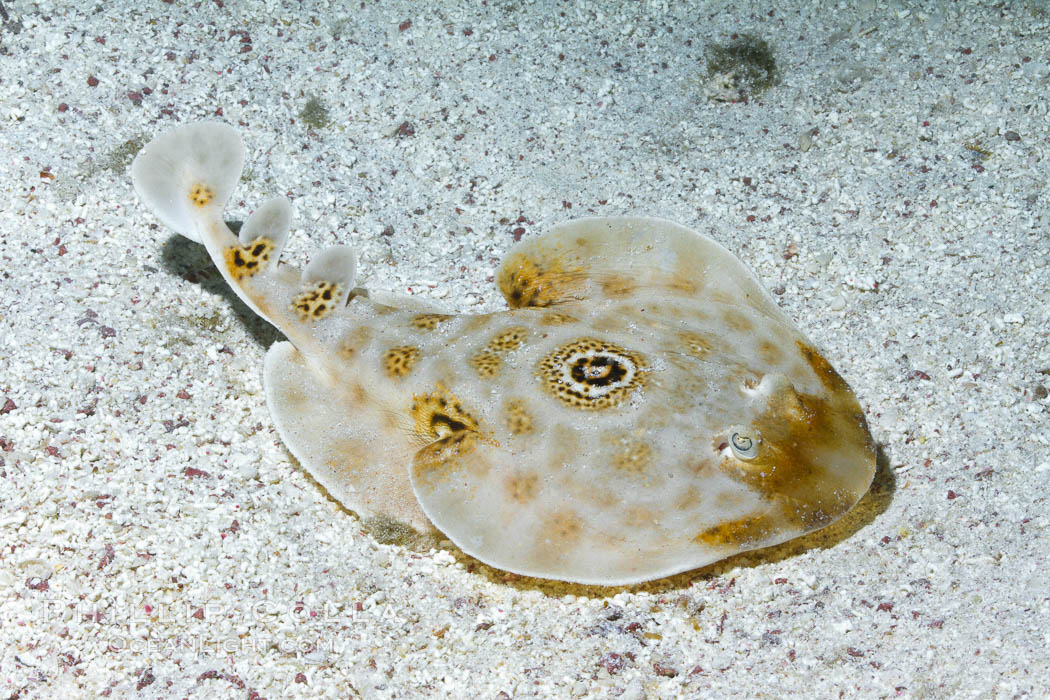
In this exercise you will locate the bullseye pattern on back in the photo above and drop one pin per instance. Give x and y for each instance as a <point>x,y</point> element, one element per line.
<point>591,374</point>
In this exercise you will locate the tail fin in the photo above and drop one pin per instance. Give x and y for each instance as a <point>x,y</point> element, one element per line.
<point>203,160</point>
<point>186,177</point>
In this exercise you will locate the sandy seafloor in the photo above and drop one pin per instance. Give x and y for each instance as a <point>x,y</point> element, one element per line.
<point>158,541</point>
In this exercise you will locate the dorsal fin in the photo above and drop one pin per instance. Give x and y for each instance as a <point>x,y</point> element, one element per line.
<point>273,220</point>
<point>336,264</point>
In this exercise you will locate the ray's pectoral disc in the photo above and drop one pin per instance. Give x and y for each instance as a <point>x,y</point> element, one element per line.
<point>643,408</point>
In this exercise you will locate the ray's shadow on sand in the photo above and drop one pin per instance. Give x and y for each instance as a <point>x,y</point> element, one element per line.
<point>184,258</point>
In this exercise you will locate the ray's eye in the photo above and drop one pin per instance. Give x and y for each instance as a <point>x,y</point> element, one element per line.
<point>745,444</point>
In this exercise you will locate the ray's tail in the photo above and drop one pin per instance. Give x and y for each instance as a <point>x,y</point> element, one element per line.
<point>323,411</point>
<point>186,176</point>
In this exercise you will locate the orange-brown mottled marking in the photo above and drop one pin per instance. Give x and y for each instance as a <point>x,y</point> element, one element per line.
<point>585,244</point>
<point>428,322</point>
<point>688,499</point>
<point>440,417</point>
<point>697,345</point>
<point>721,298</point>
<point>517,417</point>
<point>317,302</point>
<point>201,195</point>
<point>699,467</point>
<point>486,363</point>
<point>737,321</point>
<point>441,457</point>
<point>245,261</point>
<point>798,431</point>
<point>564,527</point>
<point>746,531</point>
<point>399,361</point>
<point>638,516</point>
<point>522,488</point>
<point>831,379</point>
<point>347,456</point>
<point>555,318</point>
<point>525,282</point>
<point>770,353</point>
<point>354,342</point>
<point>614,286</point>
<point>440,414</point>
<point>683,280</point>
<point>635,458</point>
<point>508,339</point>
